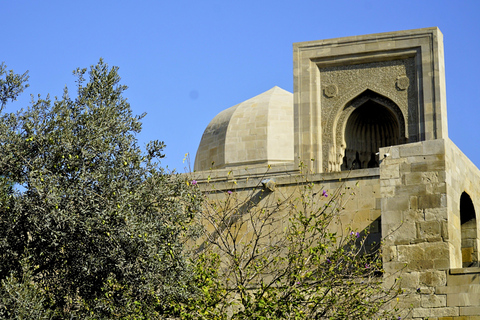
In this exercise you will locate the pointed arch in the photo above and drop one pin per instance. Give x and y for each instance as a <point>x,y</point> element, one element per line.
<point>364,124</point>
<point>468,221</point>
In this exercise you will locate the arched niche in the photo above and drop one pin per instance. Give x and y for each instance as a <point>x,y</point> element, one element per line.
<point>372,121</point>
<point>468,223</point>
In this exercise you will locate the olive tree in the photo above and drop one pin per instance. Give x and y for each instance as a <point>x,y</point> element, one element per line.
<point>11,85</point>
<point>87,218</point>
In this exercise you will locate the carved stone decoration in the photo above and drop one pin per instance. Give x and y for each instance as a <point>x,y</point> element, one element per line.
<point>354,81</point>
<point>402,83</point>
<point>341,121</point>
<point>330,91</point>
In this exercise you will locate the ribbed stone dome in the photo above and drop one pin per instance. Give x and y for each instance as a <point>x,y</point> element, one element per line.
<point>256,131</point>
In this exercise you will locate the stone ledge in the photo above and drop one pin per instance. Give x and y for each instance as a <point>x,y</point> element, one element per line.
<point>283,174</point>
<point>469,288</point>
<point>465,270</point>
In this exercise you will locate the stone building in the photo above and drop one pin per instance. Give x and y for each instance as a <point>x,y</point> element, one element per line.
<point>369,110</point>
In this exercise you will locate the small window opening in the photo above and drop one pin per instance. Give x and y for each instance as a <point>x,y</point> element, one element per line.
<point>469,232</point>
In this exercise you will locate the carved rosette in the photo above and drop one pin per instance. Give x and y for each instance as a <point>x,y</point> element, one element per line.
<point>330,91</point>
<point>402,83</point>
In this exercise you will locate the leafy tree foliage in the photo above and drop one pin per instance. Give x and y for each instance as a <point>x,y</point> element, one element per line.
<point>11,85</point>
<point>96,226</point>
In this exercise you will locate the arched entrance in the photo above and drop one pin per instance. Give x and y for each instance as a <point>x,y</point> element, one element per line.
<point>371,126</point>
<point>469,231</point>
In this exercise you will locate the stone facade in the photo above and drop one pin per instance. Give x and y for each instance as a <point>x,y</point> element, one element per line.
<point>369,110</point>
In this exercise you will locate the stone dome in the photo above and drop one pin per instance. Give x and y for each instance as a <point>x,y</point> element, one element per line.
<point>256,131</point>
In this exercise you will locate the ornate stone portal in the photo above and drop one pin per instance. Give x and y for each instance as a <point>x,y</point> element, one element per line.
<point>396,76</point>
<point>375,104</point>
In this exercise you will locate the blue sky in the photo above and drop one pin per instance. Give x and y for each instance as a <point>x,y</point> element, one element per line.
<point>185,61</point>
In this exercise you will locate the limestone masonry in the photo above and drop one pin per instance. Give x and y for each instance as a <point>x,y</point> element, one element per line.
<point>369,110</point>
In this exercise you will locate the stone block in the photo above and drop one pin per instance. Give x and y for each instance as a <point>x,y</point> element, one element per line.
<point>463,299</point>
<point>433,278</point>
<point>408,191</point>
<point>396,203</point>
<point>437,250</point>
<point>413,178</point>
<point>428,229</point>
<point>387,191</point>
<point>390,172</point>
<point>394,152</point>
<point>409,280</point>
<point>463,279</point>
<point>422,177</point>
<point>412,252</point>
<point>375,216</point>
<point>441,264</point>
<point>430,201</point>
<point>391,217</point>
<point>434,147</point>
<point>413,215</point>
<point>433,188</point>
<point>435,239</point>
<point>435,312</point>
<point>445,230</point>
<point>467,254</point>
<point>419,167</point>
<point>399,233</point>
<point>389,253</point>
<point>412,149</point>
<point>466,288</point>
<point>407,301</point>
<point>437,214</point>
<point>433,301</point>
<point>393,267</point>
<point>421,265</point>
<point>470,311</point>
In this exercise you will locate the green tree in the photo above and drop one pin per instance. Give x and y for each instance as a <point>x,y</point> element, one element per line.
<point>101,225</point>
<point>11,85</point>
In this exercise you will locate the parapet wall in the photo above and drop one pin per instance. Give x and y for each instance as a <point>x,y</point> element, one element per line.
<point>360,204</point>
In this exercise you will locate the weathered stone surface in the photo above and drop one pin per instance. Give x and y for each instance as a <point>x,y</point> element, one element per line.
<point>433,278</point>
<point>470,311</point>
<point>433,301</point>
<point>435,312</point>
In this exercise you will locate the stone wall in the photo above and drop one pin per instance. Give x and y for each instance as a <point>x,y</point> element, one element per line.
<point>462,176</point>
<point>361,203</point>
<point>413,199</point>
<point>421,184</point>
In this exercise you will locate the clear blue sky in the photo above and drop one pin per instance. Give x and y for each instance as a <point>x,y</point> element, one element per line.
<point>185,61</point>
